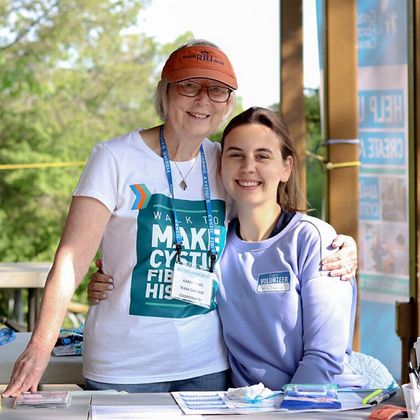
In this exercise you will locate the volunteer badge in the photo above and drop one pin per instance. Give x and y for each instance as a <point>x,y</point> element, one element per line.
<point>273,282</point>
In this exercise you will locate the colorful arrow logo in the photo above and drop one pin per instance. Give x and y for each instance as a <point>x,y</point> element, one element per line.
<point>142,195</point>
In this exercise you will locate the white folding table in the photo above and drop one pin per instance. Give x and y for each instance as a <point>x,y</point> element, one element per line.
<point>60,370</point>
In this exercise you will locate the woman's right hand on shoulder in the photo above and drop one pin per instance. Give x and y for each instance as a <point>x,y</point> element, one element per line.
<point>28,370</point>
<point>99,285</point>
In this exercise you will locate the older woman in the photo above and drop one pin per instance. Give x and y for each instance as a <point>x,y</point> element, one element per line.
<point>153,202</point>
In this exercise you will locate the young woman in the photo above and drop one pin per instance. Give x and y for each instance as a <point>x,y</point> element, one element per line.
<point>283,321</point>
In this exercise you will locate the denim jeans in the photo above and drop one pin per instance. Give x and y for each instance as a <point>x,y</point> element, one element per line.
<point>212,382</point>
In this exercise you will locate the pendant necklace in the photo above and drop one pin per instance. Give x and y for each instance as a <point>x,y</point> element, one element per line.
<point>183,184</point>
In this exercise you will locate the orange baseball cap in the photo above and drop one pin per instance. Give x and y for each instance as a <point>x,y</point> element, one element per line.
<point>199,61</point>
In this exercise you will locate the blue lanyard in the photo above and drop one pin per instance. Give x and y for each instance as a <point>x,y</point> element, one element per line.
<point>207,195</point>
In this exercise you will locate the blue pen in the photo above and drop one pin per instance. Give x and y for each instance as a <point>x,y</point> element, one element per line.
<point>384,395</point>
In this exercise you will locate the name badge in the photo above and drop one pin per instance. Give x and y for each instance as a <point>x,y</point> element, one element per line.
<point>273,282</point>
<point>192,285</point>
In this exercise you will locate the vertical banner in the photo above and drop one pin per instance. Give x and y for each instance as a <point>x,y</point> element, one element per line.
<point>384,210</point>
<point>384,178</point>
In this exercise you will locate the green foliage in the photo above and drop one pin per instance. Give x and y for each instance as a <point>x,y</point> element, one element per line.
<point>67,80</point>
<point>237,110</point>
<point>315,172</point>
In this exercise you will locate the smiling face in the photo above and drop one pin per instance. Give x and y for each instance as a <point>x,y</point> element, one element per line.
<point>196,116</point>
<point>252,165</point>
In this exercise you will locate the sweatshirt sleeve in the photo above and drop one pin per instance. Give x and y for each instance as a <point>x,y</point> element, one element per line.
<point>326,310</point>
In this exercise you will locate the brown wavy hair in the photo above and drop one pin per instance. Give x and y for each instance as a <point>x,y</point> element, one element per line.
<point>289,194</point>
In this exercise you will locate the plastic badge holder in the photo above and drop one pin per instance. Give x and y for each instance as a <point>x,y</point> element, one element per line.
<point>310,397</point>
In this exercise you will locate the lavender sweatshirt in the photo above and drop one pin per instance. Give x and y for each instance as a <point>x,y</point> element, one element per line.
<point>284,320</point>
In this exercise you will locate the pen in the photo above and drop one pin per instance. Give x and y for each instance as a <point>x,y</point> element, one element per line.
<point>413,377</point>
<point>371,395</point>
<point>413,369</point>
<point>381,397</point>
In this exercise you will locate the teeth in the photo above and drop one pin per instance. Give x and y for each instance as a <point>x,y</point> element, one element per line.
<point>196,115</point>
<point>248,183</point>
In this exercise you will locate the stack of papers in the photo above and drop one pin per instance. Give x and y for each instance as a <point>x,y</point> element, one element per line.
<point>218,403</point>
<point>69,343</point>
<point>69,350</point>
<point>43,399</point>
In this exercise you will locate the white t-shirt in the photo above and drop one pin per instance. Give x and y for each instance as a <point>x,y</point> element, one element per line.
<point>139,334</point>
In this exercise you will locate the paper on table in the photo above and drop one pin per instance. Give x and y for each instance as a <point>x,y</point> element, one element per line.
<point>137,412</point>
<point>217,403</point>
<point>351,401</point>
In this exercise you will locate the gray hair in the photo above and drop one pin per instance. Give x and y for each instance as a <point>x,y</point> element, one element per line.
<point>161,93</point>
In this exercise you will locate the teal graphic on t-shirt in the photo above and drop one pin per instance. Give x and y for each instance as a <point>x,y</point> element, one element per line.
<point>152,276</point>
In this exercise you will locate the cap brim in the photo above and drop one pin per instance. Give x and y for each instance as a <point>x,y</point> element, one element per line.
<point>200,73</point>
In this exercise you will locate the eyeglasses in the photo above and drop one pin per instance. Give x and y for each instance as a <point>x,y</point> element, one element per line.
<point>215,93</point>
